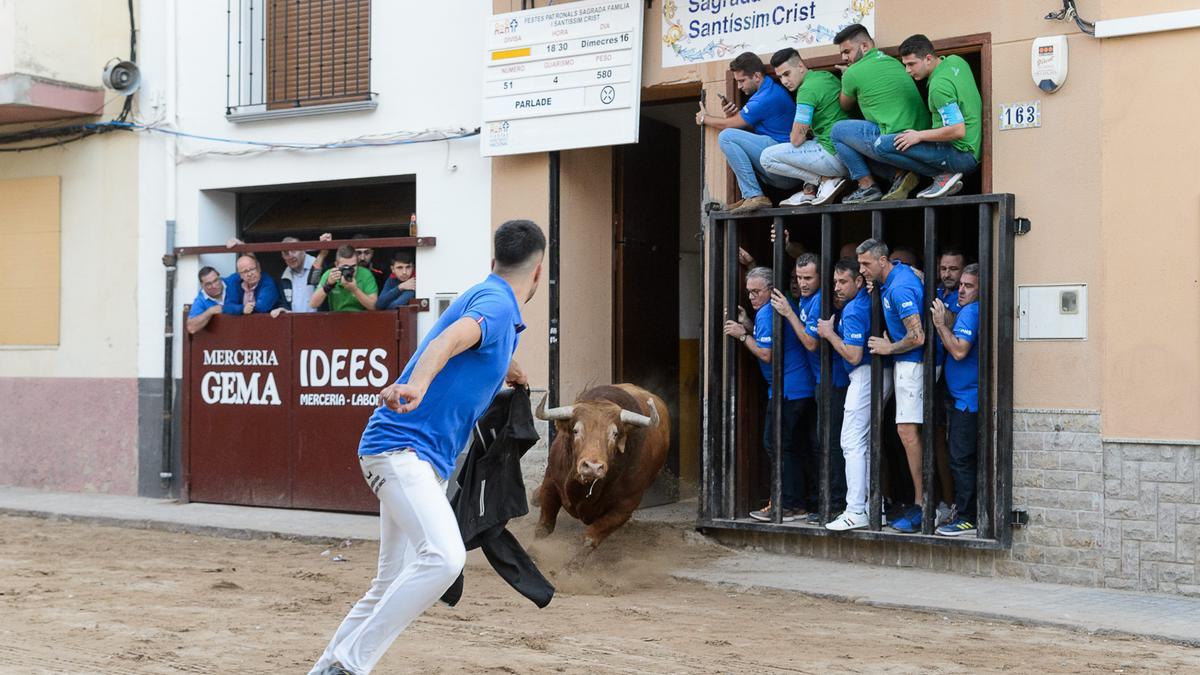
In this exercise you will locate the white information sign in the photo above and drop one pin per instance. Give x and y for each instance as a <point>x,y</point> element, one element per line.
<point>696,31</point>
<point>562,76</point>
<point>1020,115</point>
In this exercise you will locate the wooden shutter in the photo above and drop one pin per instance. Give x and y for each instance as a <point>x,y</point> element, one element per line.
<point>320,52</point>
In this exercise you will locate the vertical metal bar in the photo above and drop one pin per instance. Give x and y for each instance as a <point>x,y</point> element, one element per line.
<point>929,450</point>
<point>825,411</point>
<point>876,491</point>
<point>239,53</point>
<point>1005,317</point>
<point>228,49</point>
<point>777,388</point>
<point>250,52</point>
<point>983,345</point>
<point>733,292</point>
<point>552,386</point>
<point>710,423</point>
<point>262,48</point>
<point>358,44</point>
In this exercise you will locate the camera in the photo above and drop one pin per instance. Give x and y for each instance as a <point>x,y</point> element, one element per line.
<point>347,271</point>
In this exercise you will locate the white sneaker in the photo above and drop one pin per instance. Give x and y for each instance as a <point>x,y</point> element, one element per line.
<point>799,199</point>
<point>848,521</point>
<point>828,190</point>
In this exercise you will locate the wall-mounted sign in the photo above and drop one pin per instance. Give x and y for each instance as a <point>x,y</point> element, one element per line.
<point>562,76</point>
<point>1020,115</point>
<point>696,31</point>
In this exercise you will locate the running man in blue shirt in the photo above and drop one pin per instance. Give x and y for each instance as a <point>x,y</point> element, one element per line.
<point>903,302</point>
<point>411,441</point>
<point>962,378</point>
<point>764,121</point>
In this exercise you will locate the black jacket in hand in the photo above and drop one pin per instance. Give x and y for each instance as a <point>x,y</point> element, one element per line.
<point>492,492</point>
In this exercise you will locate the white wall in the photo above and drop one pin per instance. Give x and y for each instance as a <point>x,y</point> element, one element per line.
<point>422,80</point>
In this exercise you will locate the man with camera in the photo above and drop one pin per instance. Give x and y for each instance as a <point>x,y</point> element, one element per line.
<point>350,288</point>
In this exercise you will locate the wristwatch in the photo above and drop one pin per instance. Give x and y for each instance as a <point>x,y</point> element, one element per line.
<point>744,336</point>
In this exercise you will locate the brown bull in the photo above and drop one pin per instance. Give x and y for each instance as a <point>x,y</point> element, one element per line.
<point>610,445</point>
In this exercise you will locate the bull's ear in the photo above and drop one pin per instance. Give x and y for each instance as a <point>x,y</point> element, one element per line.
<point>564,427</point>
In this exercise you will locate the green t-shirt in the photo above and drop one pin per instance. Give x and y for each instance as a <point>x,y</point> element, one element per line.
<point>817,105</point>
<point>954,98</point>
<point>886,94</point>
<point>341,299</point>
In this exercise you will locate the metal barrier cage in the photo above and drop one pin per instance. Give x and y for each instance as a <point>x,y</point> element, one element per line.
<point>729,451</point>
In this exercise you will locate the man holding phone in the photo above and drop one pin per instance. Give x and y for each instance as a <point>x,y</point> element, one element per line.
<point>349,287</point>
<point>764,121</point>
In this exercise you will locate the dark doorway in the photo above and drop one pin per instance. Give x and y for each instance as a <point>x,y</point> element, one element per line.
<point>646,277</point>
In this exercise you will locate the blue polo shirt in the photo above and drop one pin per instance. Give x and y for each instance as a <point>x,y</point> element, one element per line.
<point>202,302</point>
<point>962,377</point>
<point>810,315</point>
<point>855,327</point>
<point>770,111</point>
<point>797,380</point>
<point>266,295</point>
<point>950,299</point>
<point>459,395</point>
<point>903,296</point>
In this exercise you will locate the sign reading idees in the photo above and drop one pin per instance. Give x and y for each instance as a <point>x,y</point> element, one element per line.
<point>561,77</point>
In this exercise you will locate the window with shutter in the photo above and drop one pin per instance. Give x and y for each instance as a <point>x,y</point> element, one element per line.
<point>319,52</point>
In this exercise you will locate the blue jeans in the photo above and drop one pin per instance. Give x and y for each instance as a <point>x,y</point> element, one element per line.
<point>927,159</point>
<point>742,149</point>
<point>810,162</point>
<point>856,142</point>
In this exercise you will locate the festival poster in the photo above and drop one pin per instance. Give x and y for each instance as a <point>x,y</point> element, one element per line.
<point>698,31</point>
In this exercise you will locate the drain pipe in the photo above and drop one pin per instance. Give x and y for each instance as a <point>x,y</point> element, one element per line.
<point>166,474</point>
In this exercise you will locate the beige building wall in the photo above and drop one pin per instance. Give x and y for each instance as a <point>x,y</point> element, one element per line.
<point>63,40</point>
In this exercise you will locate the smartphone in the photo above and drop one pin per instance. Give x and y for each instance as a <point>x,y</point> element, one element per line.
<point>724,101</point>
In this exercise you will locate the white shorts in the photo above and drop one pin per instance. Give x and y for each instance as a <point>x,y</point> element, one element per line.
<point>910,392</point>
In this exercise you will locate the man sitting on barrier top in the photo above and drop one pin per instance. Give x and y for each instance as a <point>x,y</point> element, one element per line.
<point>209,301</point>
<point>951,148</point>
<point>248,290</point>
<point>349,287</point>
<point>401,286</point>
<point>889,101</point>
<point>765,120</point>
<point>817,109</point>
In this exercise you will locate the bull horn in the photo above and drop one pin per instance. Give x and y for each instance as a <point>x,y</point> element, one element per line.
<point>633,418</point>
<point>560,413</point>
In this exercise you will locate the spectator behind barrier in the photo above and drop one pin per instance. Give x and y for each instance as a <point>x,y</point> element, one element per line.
<point>401,286</point>
<point>903,304</point>
<point>959,334</point>
<point>797,393</point>
<point>890,102</point>
<point>296,283</point>
<point>350,288</point>
<point>209,301</point>
<point>847,335</point>
<point>951,147</point>
<point>248,290</point>
<point>765,120</point>
<point>364,256</point>
<point>817,109</point>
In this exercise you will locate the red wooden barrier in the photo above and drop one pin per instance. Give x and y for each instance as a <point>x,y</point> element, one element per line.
<point>274,407</point>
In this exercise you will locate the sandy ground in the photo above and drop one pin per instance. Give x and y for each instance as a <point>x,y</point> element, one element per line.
<point>89,599</point>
